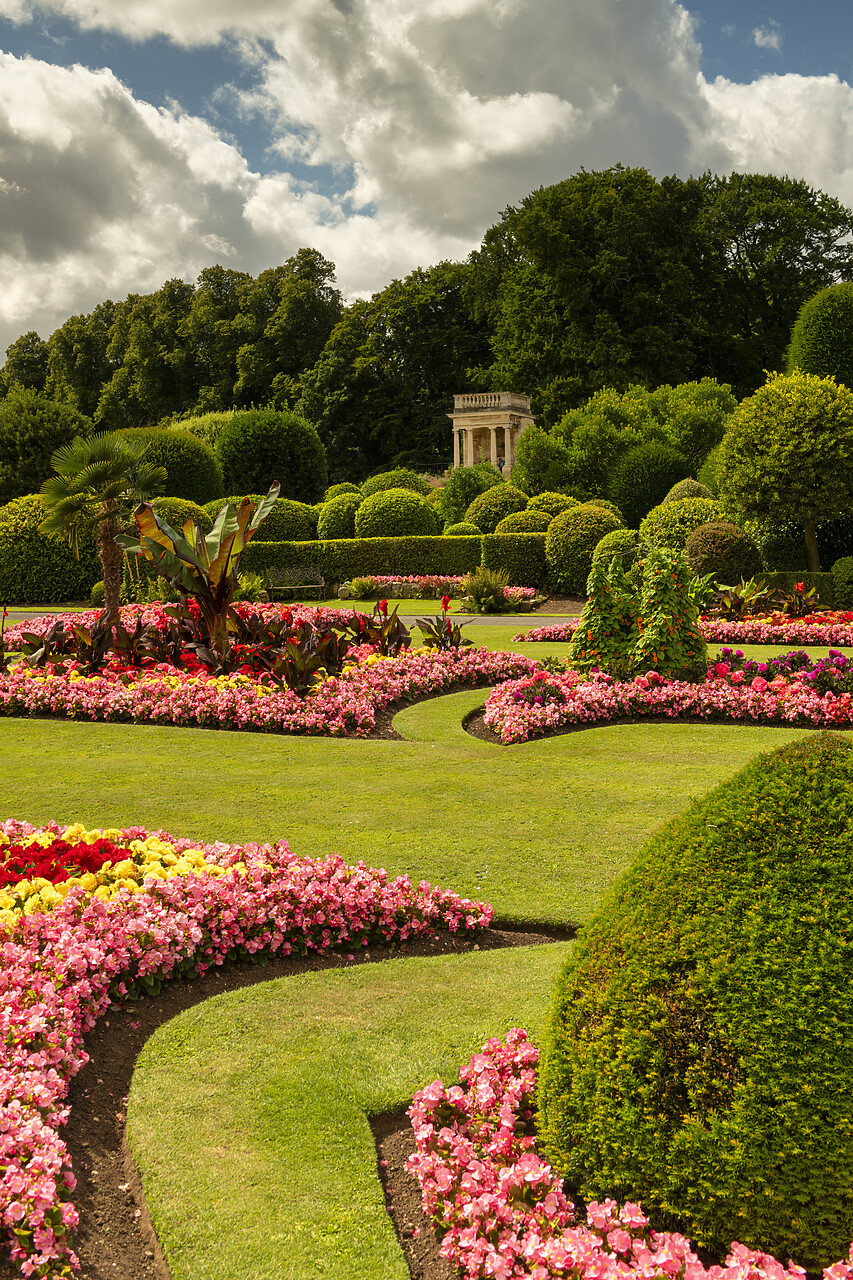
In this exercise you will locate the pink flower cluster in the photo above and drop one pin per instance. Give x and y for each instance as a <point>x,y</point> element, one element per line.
<point>438,584</point>
<point>598,697</point>
<point>810,630</point>
<point>59,971</point>
<point>501,1209</point>
<point>345,704</point>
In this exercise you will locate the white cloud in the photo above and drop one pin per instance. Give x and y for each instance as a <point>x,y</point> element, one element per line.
<point>769,37</point>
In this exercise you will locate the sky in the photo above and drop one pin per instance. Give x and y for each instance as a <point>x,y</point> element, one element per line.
<point>142,140</point>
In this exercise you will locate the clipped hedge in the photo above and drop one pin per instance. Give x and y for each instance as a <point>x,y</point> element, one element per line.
<point>822,582</point>
<point>192,468</point>
<point>335,490</point>
<point>520,555</point>
<point>396,513</point>
<point>697,1057</point>
<point>571,539</point>
<point>259,446</point>
<point>342,559</point>
<point>670,524</point>
<point>842,582</point>
<point>688,488</point>
<point>643,476</point>
<point>489,508</point>
<point>176,511</point>
<point>289,521</point>
<point>37,568</point>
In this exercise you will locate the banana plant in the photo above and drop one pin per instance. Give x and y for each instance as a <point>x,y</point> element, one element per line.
<point>199,565</point>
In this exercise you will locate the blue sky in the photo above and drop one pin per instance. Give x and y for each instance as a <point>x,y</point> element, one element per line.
<point>145,139</point>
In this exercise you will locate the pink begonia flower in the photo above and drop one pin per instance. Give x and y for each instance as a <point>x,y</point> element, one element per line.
<point>721,668</point>
<point>759,684</point>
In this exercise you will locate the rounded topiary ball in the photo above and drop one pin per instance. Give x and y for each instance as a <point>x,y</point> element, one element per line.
<point>263,445</point>
<point>489,508</point>
<point>822,337</point>
<point>642,476</point>
<point>671,524</point>
<point>524,522</point>
<point>723,549</point>
<point>698,1054</point>
<point>570,542</point>
<point>288,521</point>
<point>335,490</point>
<point>395,513</point>
<point>400,478</point>
<point>622,542</point>
<point>688,488</point>
<point>175,511</point>
<point>337,517</point>
<point>462,530</point>
<point>552,503</point>
<point>192,468</point>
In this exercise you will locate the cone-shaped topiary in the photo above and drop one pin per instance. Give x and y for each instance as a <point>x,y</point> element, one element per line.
<point>607,629</point>
<point>725,550</point>
<point>487,510</point>
<point>524,522</point>
<point>670,641</point>
<point>698,1052</point>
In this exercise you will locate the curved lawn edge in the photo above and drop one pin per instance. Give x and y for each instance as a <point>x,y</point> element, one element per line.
<point>403,1024</point>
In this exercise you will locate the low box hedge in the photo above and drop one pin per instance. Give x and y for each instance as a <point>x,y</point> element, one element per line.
<point>787,579</point>
<point>521,555</point>
<point>341,559</point>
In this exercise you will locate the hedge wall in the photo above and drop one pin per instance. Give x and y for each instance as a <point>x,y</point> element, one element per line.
<point>521,555</point>
<point>341,559</point>
<point>787,580</point>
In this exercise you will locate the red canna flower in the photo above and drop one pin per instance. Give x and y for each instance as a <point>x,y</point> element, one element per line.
<point>382,606</point>
<point>799,586</point>
<point>445,603</point>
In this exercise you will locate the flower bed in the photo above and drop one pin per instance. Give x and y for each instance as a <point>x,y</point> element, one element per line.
<point>796,694</point>
<point>502,1210</point>
<point>62,964</point>
<point>816,628</point>
<point>163,694</point>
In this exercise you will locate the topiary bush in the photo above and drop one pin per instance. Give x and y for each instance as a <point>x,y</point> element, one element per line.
<point>393,513</point>
<point>400,478</point>
<point>262,445</point>
<point>570,542</point>
<point>670,640</point>
<point>520,555</point>
<point>671,524</point>
<point>487,510</point>
<point>335,490</point>
<point>175,511</point>
<point>842,582</point>
<point>619,542</point>
<point>524,522</point>
<point>337,516</point>
<point>688,488</point>
<point>552,503</point>
<point>641,478</point>
<point>697,1054</point>
<point>723,549</point>
<point>607,504</point>
<point>38,568</point>
<point>464,484</point>
<point>464,529</point>
<point>204,426</point>
<point>822,337</point>
<point>288,521</point>
<point>192,468</point>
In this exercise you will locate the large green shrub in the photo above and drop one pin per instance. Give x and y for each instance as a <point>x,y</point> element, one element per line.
<point>463,486</point>
<point>642,477</point>
<point>335,490</point>
<point>288,521</point>
<point>487,510</point>
<point>842,582</point>
<point>400,478</point>
<point>192,468</point>
<point>670,524</point>
<point>670,640</point>
<point>608,625</point>
<point>521,556</point>
<point>688,488</point>
<point>541,462</point>
<point>697,1057</point>
<point>393,513</point>
<point>204,426</point>
<point>570,542</point>
<point>464,529</point>
<point>822,337</point>
<point>551,503</point>
<point>263,445</point>
<point>524,522</point>
<point>343,559</point>
<point>38,568</point>
<point>337,516</point>
<point>723,549</point>
<point>31,429</point>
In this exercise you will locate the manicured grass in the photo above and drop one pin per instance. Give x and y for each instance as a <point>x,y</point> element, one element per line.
<point>538,829</point>
<point>248,1115</point>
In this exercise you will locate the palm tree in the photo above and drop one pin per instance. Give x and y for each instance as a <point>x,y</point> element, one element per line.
<point>99,479</point>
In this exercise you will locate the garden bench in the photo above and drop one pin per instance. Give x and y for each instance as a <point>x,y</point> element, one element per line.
<point>303,577</point>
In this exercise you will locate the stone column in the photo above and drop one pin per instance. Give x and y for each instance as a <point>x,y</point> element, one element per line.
<point>509,456</point>
<point>469,448</point>
<point>455,448</point>
<point>494,434</point>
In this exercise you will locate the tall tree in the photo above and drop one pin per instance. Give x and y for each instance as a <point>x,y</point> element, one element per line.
<point>214,335</point>
<point>78,363</point>
<point>32,428</point>
<point>26,363</point>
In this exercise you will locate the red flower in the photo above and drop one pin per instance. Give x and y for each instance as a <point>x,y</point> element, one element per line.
<point>382,606</point>
<point>800,586</point>
<point>445,603</point>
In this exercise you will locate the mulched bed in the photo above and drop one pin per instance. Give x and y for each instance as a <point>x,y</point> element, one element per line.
<point>115,1239</point>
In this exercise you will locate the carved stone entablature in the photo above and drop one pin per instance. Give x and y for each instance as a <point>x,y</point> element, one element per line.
<point>487,426</point>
